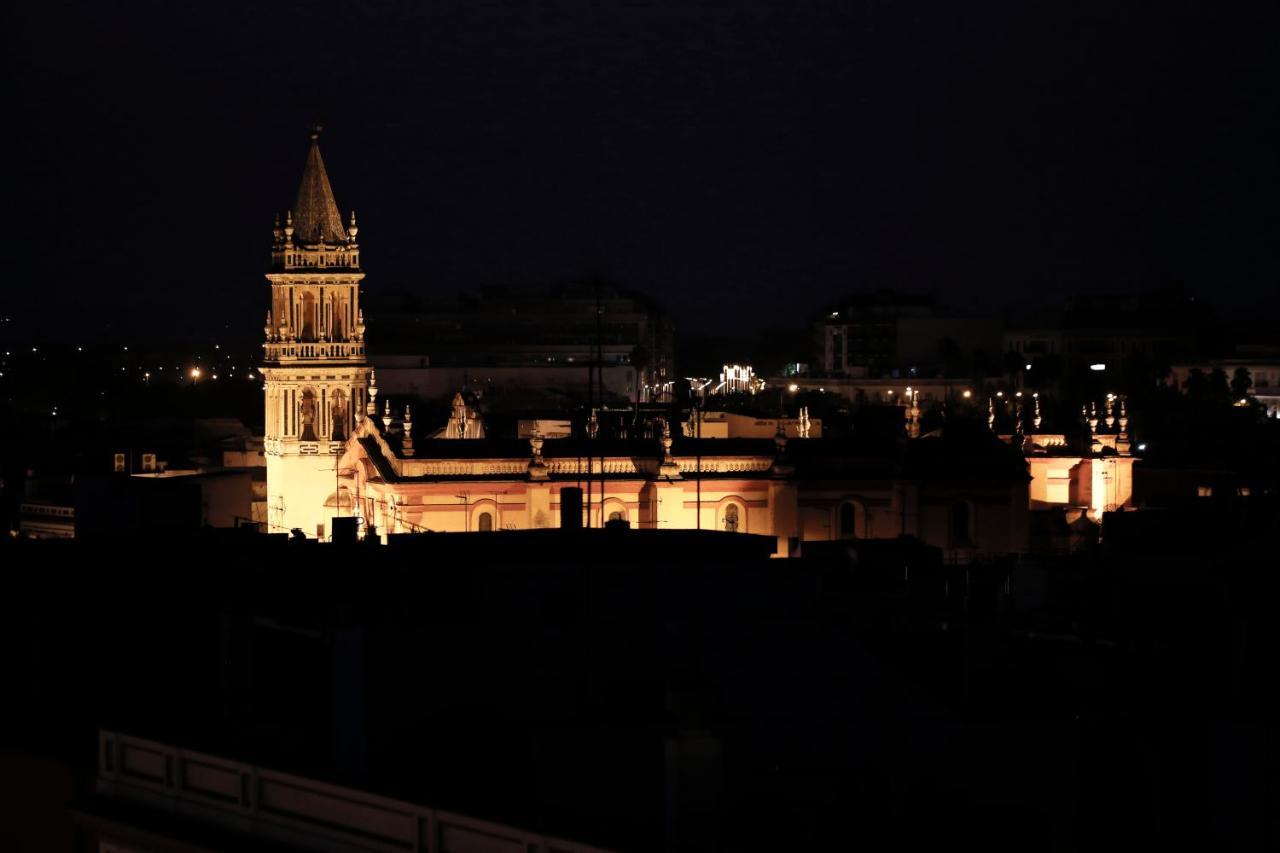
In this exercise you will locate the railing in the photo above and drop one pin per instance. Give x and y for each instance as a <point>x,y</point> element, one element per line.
<point>295,810</point>
<point>47,509</point>
<point>284,351</point>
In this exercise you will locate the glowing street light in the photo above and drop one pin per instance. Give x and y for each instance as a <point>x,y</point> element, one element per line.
<point>793,387</point>
<point>195,373</point>
<point>1098,368</point>
<point>967,394</point>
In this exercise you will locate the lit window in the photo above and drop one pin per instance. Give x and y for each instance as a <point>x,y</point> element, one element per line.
<point>1204,491</point>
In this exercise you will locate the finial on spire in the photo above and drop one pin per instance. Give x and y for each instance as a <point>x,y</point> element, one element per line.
<point>316,130</point>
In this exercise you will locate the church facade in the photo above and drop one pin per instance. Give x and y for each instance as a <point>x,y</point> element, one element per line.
<point>335,449</point>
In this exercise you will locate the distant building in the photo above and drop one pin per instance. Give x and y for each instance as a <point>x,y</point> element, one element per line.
<point>733,425</point>
<point>1115,334</point>
<point>504,340</point>
<point>881,332</point>
<point>887,390</point>
<point>1261,365</point>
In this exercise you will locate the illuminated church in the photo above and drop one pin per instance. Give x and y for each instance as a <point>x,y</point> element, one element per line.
<point>336,448</point>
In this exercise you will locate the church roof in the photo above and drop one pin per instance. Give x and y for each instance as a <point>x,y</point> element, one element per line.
<point>315,213</point>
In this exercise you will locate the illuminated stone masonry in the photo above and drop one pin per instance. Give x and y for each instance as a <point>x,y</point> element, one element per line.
<point>314,360</point>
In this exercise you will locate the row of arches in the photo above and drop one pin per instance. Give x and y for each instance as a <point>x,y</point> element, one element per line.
<point>311,415</point>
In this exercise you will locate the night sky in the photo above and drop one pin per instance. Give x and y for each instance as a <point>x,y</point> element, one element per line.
<point>744,162</point>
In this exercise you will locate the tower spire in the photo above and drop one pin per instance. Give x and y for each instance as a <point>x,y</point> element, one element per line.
<point>315,213</point>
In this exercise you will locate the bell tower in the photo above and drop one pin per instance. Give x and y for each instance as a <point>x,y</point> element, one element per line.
<point>314,363</point>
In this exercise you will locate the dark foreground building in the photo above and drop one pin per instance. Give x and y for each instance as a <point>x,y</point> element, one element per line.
<point>629,690</point>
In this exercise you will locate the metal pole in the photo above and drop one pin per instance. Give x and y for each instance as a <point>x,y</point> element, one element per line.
<point>697,411</point>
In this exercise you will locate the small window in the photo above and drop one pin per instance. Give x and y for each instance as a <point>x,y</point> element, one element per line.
<point>148,462</point>
<point>1244,491</point>
<point>1204,491</point>
<point>731,518</point>
<point>119,462</point>
<point>485,522</point>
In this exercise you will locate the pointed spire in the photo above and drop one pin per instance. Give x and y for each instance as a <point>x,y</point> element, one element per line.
<point>371,408</point>
<point>1122,437</point>
<point>316,212</point>
<point>667,465</point>
<point>407,443</point>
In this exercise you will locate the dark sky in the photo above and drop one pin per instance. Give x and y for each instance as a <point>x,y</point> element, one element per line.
<point>743,161</point>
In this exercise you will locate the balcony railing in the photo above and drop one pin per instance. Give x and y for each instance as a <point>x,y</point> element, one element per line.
<point>285,351</point>
<point>294,810</point>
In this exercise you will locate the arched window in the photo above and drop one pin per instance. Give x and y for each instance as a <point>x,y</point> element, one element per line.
<point>960,520</point>
<point>731,518</point>
<point>485,522</point>
<point>339,413</point>
<point>308,317</point>
<point>848,521</point>
<point>615,516</point>
<point>307,415</point>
